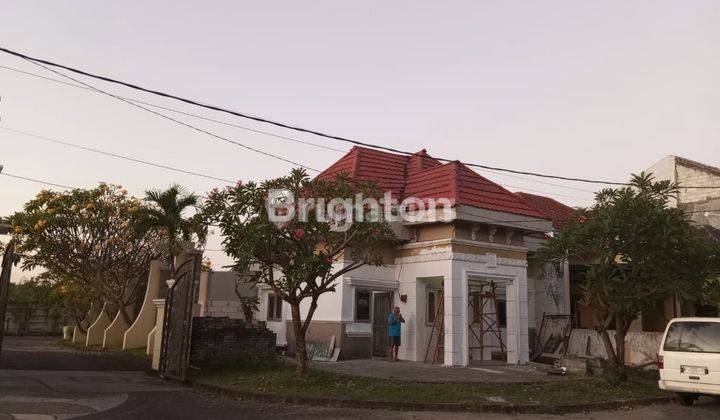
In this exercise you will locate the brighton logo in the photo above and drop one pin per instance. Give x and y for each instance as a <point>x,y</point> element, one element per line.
<point>282,207</point>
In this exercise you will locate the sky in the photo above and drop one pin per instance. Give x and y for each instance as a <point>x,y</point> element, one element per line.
<point>584,89</point>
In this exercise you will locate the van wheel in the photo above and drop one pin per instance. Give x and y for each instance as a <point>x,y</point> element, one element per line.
<point>685,399</point>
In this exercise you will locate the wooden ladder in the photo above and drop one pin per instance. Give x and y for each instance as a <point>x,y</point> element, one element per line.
<point>438,355</point>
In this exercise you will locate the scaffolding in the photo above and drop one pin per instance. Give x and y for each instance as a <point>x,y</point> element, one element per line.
<point>483,310</point>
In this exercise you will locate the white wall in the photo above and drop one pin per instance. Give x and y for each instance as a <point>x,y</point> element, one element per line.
<point>513,274</point>
<point>334,306</point>
<point>455,269</point>
<point>415,334</point>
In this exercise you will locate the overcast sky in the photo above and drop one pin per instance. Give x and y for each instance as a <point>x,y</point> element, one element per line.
<point>577,88</point>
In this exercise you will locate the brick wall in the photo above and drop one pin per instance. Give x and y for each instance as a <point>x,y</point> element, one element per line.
<point>691,173</point>
<point>223,308</point>
<point>688,175</point>
<point>217,340</point>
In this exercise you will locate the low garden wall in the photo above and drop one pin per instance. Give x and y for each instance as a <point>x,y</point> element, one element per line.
<point>31,321</point>
<point>218,340</point>
<point>640,347</point>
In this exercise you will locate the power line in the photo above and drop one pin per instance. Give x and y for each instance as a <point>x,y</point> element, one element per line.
<point>189,114</point>
<point>272,134</point>
<point>159,114</point>
<point>37,181</point>
<point>27,73</point>
<point>102,152</point>
<point>286,125</point>
<point>536,180</point>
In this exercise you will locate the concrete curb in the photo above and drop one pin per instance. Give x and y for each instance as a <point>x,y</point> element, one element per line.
<point>399,406</point>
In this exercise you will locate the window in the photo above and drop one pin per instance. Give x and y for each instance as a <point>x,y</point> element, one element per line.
<point>475,301</point>
<point>362,305</point>
<point>274,308</point>
<point>433,303</point>
<point>502,313</point>
<point>696,337</point>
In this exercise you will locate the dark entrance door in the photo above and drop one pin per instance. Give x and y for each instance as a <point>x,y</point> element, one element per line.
<point>382,306</point>
<point>177,325</point>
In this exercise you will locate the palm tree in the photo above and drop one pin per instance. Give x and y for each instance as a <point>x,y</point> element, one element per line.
<point>166,214</point>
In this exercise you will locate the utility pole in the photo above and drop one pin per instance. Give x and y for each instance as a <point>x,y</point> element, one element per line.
<point>4,228</point>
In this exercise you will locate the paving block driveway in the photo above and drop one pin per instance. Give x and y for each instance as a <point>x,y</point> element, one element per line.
<point>65,383</point>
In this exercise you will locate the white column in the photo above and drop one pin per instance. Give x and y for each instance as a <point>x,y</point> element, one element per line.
<point>523,325</point>
<point>157,332</point>
<point>518,351</point>
<point>204,292</point>
<point>455,305</point>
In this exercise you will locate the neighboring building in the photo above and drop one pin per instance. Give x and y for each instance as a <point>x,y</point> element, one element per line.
<point>701,204</point>
<point>486,237</point>
<point>218,294</point>
<point>548,284</point>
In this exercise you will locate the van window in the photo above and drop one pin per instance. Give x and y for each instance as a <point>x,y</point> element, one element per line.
<point>700,337</point>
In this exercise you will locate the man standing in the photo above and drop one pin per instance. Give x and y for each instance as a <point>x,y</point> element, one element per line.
<point>395,320</point>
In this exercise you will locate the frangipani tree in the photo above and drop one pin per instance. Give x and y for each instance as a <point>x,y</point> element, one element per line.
<point>638,250</point>
<point>89,236</point>
<point>299,258</point>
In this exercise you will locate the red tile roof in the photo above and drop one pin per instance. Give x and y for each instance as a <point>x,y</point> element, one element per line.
<point>424,177</point>
<point>559,213</point>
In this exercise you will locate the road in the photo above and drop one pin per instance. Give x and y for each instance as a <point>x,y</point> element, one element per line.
<point>68,384</point>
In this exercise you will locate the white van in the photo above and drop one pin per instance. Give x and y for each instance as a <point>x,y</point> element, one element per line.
<point>689,358</point>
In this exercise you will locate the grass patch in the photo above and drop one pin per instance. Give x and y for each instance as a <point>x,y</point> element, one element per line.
<point>98,349</point>
<point>278,377</point>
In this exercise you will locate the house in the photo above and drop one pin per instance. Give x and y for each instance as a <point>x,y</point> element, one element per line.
<point>219,294</point>
<point>483,240</point>
<point>701,204</point>
<point>643,338</point>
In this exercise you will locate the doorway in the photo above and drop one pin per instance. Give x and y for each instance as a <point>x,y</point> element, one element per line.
<point>382,305</point>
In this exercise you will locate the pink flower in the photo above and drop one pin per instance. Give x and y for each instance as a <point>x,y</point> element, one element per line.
<point>239,183</point>
<point>299,233</point>
<point>376,232</point>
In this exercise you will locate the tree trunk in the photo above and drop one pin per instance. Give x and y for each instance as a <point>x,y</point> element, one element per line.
<point>621,328</point>
<point>300,345</point>
<point>248,315</point>
<point>124,314</point>
<point>78,324</point>
<point>601,326</point>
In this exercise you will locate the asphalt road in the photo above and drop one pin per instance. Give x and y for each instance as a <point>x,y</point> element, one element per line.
<point>68,384</point>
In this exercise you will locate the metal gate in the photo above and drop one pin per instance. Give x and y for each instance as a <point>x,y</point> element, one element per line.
<point>7,262</point>
<point>381,310</point>
<point>177,323</point>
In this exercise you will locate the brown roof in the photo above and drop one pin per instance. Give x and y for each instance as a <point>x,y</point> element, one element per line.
<point>559,213</point>
<point>421,176</point>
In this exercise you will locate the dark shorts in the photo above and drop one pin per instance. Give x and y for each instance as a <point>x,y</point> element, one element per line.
<point>395,340</point>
